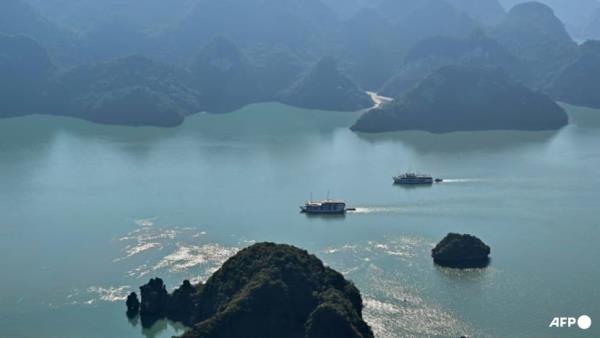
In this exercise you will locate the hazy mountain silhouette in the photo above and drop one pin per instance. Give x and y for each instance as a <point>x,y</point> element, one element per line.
<point>431,54</point>
<point>575,14</point>
<point>487,12</point>
<point>26,69</point>
<point>578,83</point>
<point>416,20</point>
<point>220,55</point>
<point>325,87</point>
<point>296,23</point>
<point>592,29</point>
<point>345,9</point>
<point>223,76</point>
<point>367,51</point>
<point>17,17</point>
<point>130,91</point>
<point>532,32</point>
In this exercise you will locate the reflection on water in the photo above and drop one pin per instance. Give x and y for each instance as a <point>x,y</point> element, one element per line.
<point>392,307</point>
<point>172,251</point>
<point>460,142</point>
<point>157,328</point>
<point>326,217</point>
<point>414,186</point>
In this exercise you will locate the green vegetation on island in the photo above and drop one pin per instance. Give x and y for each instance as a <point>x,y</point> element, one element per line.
<point>461,251</point>
<point>459,98</point>
<point>264,291</point>
<point>325,87</point>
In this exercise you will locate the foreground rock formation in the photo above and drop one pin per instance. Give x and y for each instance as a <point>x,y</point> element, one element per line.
<point>266,290</point>
<point>461,251</point>
<point>459,98</point>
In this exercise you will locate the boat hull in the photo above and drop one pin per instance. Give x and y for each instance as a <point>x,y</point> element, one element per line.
<point>423,181</point>
<point>311,211</point>
<point>322,211</point>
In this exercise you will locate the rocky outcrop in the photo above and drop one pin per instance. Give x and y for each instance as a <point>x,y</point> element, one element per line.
<point>133,305</point>
<point>154,298</point>
<point>266,291</point>
<point>461,251</point>
<point>458,98</point>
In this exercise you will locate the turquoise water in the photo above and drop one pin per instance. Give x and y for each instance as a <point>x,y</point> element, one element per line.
<point>91,212</point>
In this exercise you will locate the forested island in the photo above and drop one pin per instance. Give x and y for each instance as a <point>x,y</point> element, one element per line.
<point>460,98</point>
<point>114,65</point>
<point>266,290</point>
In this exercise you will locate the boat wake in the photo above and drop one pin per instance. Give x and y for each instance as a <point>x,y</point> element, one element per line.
<point>372,210</point>
<point>462,180</point>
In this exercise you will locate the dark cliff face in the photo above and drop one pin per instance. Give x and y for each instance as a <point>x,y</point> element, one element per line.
<point>532,32</point>
<point>461,251</point>
<point>266,290</point>
<point>461,98</point>
<point>325,87</point>
<point>579,82</point>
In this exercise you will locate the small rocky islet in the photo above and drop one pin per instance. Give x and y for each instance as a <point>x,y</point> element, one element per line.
<point>461,251</point>
<point>266,290</point>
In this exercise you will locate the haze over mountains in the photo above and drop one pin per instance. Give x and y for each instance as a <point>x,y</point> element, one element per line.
<point>219,55</point>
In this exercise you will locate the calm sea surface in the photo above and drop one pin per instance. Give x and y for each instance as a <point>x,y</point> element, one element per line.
<point>89,212</point>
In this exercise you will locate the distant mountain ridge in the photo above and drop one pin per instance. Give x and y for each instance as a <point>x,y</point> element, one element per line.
<point>137,91</point>
<point>431,54</point>
<point>532,32</point>
<point>219,63</point>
